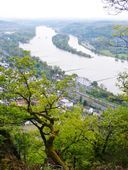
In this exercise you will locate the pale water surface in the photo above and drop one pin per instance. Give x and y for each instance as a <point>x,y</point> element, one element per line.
<point>97,68</point>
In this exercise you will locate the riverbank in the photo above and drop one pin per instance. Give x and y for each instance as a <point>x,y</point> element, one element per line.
<point>118,57</point>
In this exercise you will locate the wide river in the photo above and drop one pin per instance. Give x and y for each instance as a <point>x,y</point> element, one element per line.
<point>99,68</point>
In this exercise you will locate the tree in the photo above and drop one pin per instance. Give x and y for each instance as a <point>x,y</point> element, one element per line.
<point>94,83</point>
<point>29,145</point>
<point>116,6</point>
<point>112,137</point>
<point>121,36</point>
<point>34,98</point>
<point>92,141</point>
<point>123,84</point>
<point>75,139</point>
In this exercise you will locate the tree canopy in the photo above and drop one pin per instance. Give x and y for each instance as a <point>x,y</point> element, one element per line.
<point>33,97</point>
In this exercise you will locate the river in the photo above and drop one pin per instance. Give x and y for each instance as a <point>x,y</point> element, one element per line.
<point>99,68</point>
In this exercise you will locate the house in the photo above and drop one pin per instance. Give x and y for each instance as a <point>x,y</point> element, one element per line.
<point>65,102</point>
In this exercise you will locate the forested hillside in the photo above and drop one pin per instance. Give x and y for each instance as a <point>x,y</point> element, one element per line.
<point>62,137</point>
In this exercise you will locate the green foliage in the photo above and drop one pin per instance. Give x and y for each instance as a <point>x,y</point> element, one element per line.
<point>1,139</point>
<point>91,141</point>
<point>115,123</point>
<point>29,146</point>
<point>123,83</point>
<point>74,139</point>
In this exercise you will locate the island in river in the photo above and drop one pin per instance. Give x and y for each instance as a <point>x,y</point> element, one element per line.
<point>61,41</point>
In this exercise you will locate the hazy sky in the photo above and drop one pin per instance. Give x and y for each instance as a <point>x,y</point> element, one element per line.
<point>55,9</point>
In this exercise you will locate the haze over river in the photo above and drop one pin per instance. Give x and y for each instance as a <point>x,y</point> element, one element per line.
<point>99,68</point>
